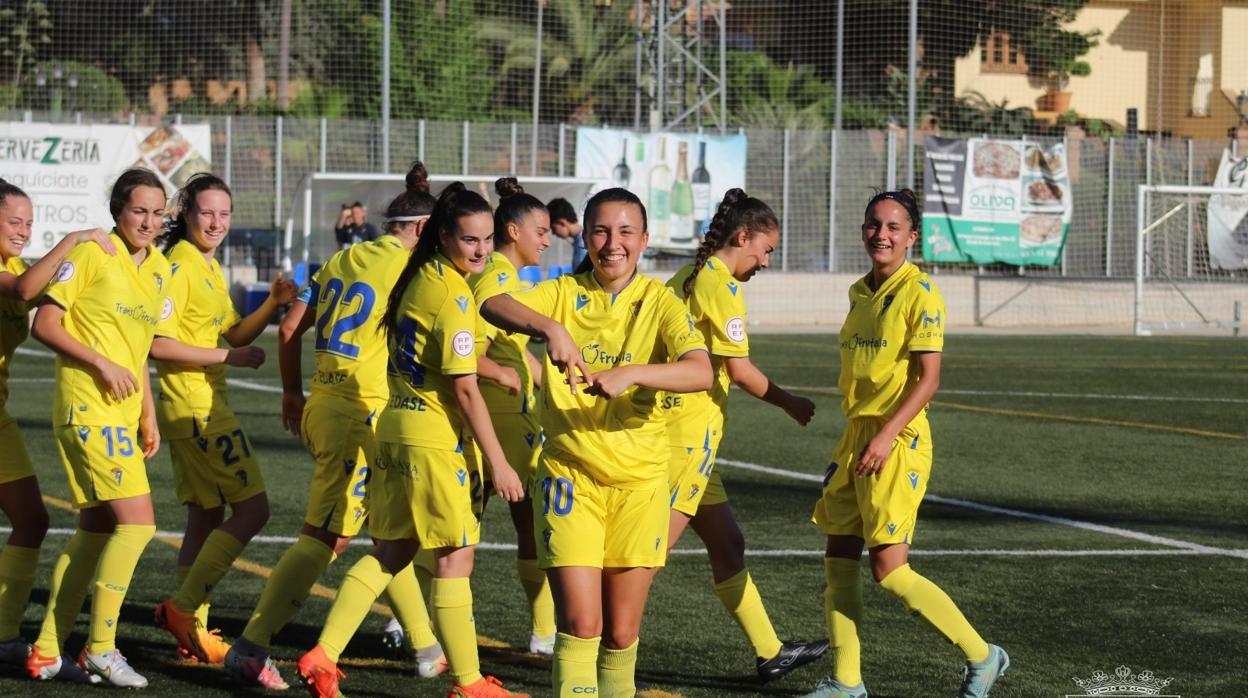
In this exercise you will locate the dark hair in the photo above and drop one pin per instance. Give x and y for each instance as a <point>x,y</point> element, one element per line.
<point>561,210</point>
<point>186,200</point>
<point>357,205</point>
<point>905,198</point>
<point>513,205</point>
<point>7,190</point>
<point>415,199</point>
<point>455,202</point>
<point>736,211</point>
<point>614,195</point>
<point>126,184</point>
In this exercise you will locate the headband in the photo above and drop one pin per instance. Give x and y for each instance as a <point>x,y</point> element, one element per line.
<point>405,219</point>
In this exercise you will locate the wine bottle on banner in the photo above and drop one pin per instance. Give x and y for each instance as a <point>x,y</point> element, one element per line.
<point>660,209</point>
<point>621,174</point>
<point>682,198</point>
<point>701,194</point>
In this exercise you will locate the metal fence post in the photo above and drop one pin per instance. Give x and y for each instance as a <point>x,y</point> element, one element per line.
<point>912,91</point>
<point>420,140</point>
<point>537,102</point>
<point>512,171</point>
<point>890,177</point>
<point>467,129</point>
<point>1065,154</point>
<point>324,144</point>
<point>1191,215</point>
<point>227,171</point>
<point>1140,213</point>
<point>1109,211</point>
<point>385,86</point>
<point>832,202</point>
<point>277,189</point>
<point>563,147</point>
<point>784,224</point>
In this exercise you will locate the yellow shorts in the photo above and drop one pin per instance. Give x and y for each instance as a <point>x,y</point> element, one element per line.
<point>693,480</point>
<point>582,523</point>
<point>343,448</point>
<point>215,469</point>
<point>102,463</point>
<point>521,437</point>
<point>16,463</point>
<point>427,494</point>
<point>880,509</point>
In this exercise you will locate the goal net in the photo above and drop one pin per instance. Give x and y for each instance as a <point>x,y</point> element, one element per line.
<point>1191,258</point>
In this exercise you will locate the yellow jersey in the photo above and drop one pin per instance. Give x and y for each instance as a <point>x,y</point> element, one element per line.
<point>348,299</point>
<point>505,348</point>
<point>14,328</point>
<point>193,397</point>
<point>623,441</point>
<point>906,314</point>
<point>115,307</point>
<point>436,342</point>
<point>717,306</point>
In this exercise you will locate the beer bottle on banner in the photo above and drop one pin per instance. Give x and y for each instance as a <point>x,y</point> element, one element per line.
<point>682,198</point>
<point>701,194</point>
<point>660,197</point>
<point>621,174</point>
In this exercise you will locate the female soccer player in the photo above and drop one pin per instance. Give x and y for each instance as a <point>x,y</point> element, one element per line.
<point>741,237</point>
<point>100,316</point>
<point>213,463</point>
<point>338,424</point>
<point>521,234</point>
<point>20,498</point>
<point>603,469</point>
<point>426,490</point>
<point>890,369</point>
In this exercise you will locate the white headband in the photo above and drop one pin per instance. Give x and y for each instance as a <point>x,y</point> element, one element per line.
<point>405,219</point>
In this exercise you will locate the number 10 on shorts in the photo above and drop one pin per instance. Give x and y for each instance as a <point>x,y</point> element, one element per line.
<point>562,496</point>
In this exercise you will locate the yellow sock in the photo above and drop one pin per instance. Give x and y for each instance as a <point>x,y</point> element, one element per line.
<point>218,553</point>
<point>537,590</point>
<point>927,600</point>
<point>117,562</point>
<point>408,604</point>
<point>615,671</point>
<point>425,565</point>
<point>17,576</point>
<point>740,598</point>
<point>70,579</point>
<point>288,587</point>
<point>365,581</point>
<point>452,607</point>
<point>574,672</point>
<point>842,603</point>
<point>201,613</point>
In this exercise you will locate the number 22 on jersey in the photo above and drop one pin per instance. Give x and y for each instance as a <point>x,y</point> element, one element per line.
<point>340,318</point>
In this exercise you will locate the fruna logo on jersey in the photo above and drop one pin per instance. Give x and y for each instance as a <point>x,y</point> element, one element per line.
<point>594,354</point>
<point>582,300</point>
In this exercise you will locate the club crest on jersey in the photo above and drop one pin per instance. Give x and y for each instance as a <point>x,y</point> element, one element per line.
<point>117,474</point>
<point>582,300</point>
<point>462,475</point>
<point>914,480</point>
<point>462,302</point>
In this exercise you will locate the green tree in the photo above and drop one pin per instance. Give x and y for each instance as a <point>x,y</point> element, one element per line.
<point>29,23</point>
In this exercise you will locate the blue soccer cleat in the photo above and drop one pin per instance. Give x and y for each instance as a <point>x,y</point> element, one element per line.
<point>979,677</point>
<point>831,688</point>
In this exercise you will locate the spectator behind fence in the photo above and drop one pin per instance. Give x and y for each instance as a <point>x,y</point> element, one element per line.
<point>353,226</point>
<point>564,224</point>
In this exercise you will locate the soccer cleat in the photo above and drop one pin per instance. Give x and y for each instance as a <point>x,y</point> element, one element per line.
<point>544,646</point>
<point>253,667</point>
<point>112,668</point>
<point>183,626</point>
<point>791,656</point>
<point>978,677</point>
<point>395,641</point>
<point>831,688</point>
<point>214,647</point>
<point>15,651</point>
<point>431,669</point>
<point>486,687</point>
<point>43,668</point>
<point>319,674</point>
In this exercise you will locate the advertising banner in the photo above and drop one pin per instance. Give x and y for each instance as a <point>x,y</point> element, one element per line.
<point>681,177</point>
<point>991,201</point>
<point>67,169</point>
<point>1228,216</point>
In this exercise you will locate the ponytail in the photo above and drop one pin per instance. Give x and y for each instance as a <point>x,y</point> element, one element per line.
<point>737,210</point>
<point>414,202</point>
<point>454,203</point>
<point>513,205</point>
<point>186,202</point>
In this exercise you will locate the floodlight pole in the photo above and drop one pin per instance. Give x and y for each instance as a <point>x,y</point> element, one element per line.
<point>385,86</point>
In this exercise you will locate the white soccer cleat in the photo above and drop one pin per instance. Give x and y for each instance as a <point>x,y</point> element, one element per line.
<point>112,668</point>
<point>544,646</point>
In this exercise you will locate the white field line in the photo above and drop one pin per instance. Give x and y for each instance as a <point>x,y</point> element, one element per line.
<point>1017,513</point>
<point>1031,393</point>
<point>1048,552</point>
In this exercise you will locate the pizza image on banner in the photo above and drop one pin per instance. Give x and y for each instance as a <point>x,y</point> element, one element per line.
<point>991,201</point>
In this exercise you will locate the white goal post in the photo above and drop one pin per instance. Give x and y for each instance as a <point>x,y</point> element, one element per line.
<point>1178,284</point>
